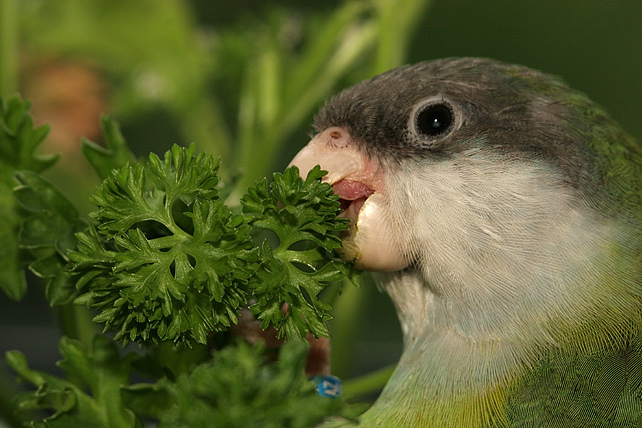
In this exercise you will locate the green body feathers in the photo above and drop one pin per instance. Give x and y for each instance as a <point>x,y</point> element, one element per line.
<point>602,389</point>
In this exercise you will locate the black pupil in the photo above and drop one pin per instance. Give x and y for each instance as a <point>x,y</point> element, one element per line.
<point>434,120</point>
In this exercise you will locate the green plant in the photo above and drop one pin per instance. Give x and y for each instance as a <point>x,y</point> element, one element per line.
<point>164,262</point>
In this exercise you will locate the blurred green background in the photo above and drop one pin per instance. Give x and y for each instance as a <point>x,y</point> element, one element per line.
<point>242,79</point>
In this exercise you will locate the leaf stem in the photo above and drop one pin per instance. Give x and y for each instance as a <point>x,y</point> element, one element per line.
<point>346,313</point>
<point>204,122</point>
<point>76,323</point>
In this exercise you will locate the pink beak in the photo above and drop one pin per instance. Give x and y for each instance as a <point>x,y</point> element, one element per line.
<point>358,181</point>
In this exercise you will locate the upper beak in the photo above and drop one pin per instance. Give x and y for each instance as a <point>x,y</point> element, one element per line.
<point>334,150</point>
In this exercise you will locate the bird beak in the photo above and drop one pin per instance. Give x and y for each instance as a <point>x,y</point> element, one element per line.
<point>351,174</point>
<point>334,151</point>
<point>358,181</point>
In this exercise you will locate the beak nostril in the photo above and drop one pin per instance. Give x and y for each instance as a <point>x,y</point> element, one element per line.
<point>335,135</point>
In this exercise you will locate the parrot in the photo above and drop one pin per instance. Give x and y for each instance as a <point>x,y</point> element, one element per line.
<point>501,211</point>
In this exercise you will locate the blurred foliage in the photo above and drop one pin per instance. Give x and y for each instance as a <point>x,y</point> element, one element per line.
<point>16,125</point>
<point>243,79</point>
<point>239,90</point>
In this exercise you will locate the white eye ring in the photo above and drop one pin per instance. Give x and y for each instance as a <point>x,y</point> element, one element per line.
<point>434,118</point>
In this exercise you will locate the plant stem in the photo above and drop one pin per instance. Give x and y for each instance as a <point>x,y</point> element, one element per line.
<point>346,312</point>
<point>76,323</point>
<point>8,46</point>
<point>367,384</point>
<point>204,123</point>
<point>267,119</point>
<point>397,21</point>
<point>8,73</point>
<point>7,392</point>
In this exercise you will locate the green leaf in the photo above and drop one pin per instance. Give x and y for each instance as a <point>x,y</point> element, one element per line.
<point>168,261</point>
<point>48,229</point>
<point>303,215</point>
<point>18,142</point>
<point>61,290</point>
<point>93,400</point>
<point>12,278</point>
<point>240,389</point>
<point>154,193</point>
<point>52,220</point>
<point>19,138</point>
<point>105,159</point>
<point>148,400</point>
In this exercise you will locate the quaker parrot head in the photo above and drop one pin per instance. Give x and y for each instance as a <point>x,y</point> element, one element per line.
<point>498,206</point>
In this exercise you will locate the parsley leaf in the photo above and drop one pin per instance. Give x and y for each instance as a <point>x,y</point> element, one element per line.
<point>19,140</point>
<point>167,260</point>
<point>48,233</point>
<point>240,389</point>
<point>92,400</point>
<point>115,155</point>
<point>240,386</point>
<point>303,215</point>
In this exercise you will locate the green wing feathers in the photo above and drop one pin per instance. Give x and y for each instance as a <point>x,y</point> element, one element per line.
<point>600,390</point>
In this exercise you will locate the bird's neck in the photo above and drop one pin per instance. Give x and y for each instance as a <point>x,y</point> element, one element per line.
<point>464,356</point>
<point>444,378</point>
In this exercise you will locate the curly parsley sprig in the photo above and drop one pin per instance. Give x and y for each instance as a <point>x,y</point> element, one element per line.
<point>303,215</point>
<point>168,260</point>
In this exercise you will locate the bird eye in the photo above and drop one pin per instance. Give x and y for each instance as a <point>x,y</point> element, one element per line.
<point>434,119</point>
